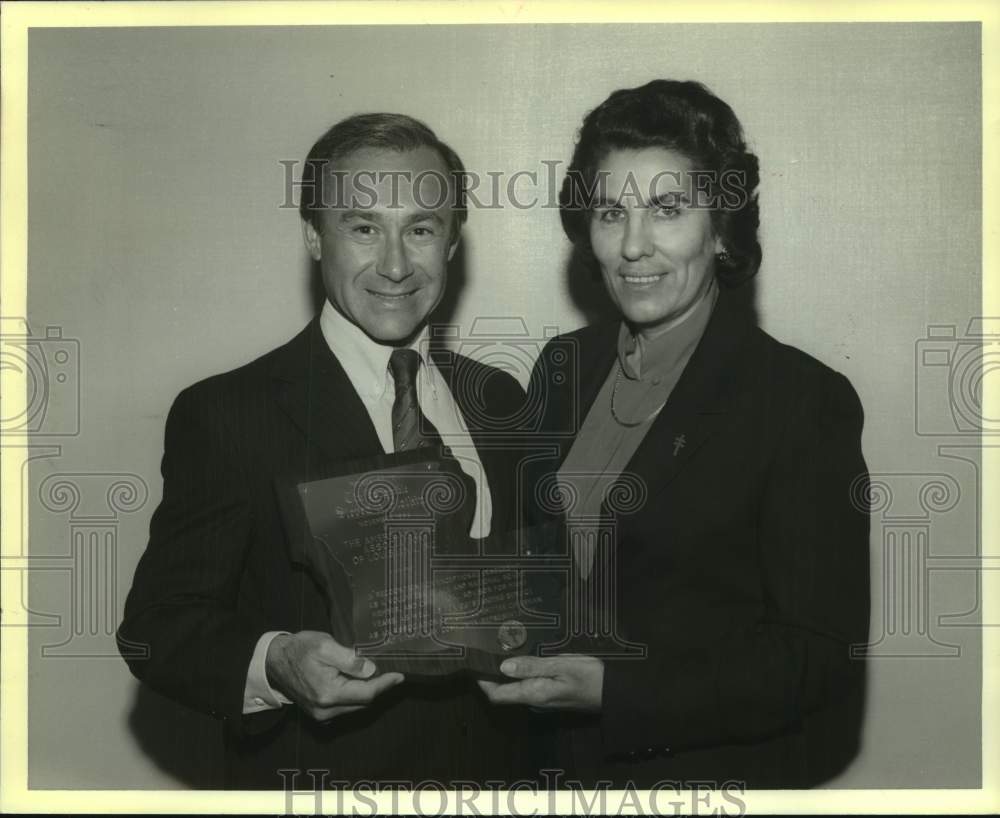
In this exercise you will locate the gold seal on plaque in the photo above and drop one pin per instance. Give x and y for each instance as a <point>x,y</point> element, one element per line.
<point>512,634</point>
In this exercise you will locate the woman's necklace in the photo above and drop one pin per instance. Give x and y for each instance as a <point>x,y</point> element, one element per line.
<point>629,424</point>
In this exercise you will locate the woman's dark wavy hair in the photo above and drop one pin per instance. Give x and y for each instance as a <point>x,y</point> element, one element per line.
<point>680,116</point>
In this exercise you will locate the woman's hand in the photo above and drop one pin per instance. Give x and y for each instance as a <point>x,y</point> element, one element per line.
<point>570,682</point>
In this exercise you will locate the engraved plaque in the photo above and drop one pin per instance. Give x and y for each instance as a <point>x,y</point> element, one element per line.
<point>406,586</point>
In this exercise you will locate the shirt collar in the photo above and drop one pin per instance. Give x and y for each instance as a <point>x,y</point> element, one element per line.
<point>365,361</point>
<point>642,359</point>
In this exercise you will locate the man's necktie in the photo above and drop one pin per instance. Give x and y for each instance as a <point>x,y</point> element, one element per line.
<point>412,430</point>
<point>410,427</point>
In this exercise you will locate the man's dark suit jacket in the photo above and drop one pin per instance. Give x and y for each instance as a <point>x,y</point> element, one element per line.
<point>745,573</point>
<point>216,573</point>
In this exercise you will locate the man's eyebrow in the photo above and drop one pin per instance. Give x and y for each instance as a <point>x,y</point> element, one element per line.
<point>355,213</point>
<point>376,216</point>
<point>424,215</point>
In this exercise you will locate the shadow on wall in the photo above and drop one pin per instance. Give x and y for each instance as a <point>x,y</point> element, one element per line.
<point>181,742</point>
<point>835,733</point>
<point>585,288</point>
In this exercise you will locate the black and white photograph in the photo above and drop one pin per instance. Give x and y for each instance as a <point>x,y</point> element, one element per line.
<point>406,409</point>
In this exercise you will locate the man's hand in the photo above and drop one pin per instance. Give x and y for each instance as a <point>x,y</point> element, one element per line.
<point>321,676</point>
<point>569,682</point>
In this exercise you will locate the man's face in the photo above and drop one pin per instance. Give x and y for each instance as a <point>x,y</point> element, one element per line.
<point>656,252</point>
<point>385,239</point>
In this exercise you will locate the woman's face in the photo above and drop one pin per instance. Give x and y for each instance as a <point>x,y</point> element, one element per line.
<point>655,250</point>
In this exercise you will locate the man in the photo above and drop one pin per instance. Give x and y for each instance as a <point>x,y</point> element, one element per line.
<point>232,627</point>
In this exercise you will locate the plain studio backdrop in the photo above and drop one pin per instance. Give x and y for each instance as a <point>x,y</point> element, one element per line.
<point>159,247</point>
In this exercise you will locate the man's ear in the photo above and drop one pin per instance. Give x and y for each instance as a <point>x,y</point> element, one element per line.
<point>312,240</point>
<point>453,248</point>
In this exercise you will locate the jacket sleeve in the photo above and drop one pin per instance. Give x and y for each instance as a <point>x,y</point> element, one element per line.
<point>760,681</point>
<point>181,633</point>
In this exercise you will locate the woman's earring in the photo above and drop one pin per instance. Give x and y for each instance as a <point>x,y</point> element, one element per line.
<point>724,257</point>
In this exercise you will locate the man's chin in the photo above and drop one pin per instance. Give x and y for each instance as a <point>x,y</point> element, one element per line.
<point>393,333</point>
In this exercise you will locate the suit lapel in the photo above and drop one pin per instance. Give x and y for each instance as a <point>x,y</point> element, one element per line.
<point>700,401</point>
<point>588,368</point>
<point>489,448</point>
<point>312,388</point>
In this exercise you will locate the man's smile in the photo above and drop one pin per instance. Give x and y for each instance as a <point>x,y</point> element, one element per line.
<point>392,298</point>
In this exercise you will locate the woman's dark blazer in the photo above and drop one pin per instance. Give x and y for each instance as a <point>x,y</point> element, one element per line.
<point>745,573</point>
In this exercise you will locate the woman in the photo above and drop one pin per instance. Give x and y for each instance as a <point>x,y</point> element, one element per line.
<point>722,468</point>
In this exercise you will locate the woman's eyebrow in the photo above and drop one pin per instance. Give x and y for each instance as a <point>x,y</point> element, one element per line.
<point>604,201</point>
<point>672,198</point>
